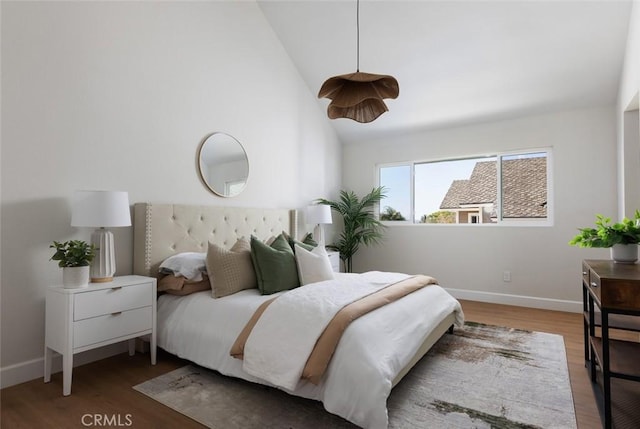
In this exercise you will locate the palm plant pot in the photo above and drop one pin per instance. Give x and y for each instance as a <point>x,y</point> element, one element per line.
<point>624,253</point>
<point>75,277</point>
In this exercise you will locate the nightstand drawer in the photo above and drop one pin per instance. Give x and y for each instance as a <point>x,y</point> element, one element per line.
<point>106,301</point>
<point>111,326</point>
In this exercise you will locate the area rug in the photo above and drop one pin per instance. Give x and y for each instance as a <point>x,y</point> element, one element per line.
<point>479,377</point>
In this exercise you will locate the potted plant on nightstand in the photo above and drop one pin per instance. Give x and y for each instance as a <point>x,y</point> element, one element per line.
<point>622,237</point>
<point>74,257</point>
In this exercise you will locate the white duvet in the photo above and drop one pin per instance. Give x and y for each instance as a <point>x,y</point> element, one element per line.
<point>371,353</point>
<point>285,335</point>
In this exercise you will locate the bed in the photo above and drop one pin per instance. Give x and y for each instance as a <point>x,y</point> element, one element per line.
<point>370,358</point>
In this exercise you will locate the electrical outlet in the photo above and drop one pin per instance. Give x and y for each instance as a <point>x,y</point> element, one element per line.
<point>506,276</point>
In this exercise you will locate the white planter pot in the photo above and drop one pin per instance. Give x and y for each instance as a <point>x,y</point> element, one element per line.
<point>75,277</point>
<point>624,253</point>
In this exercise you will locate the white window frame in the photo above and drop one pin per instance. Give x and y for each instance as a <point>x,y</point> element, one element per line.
<point>543,222</point>
<point>412,176</point>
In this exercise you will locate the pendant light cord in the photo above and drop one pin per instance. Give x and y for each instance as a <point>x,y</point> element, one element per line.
<point>358,35</point>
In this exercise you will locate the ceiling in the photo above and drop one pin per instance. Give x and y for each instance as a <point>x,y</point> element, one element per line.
<point>459,62</point>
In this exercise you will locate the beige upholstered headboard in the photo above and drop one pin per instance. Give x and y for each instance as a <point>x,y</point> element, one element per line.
<point>162,230</point>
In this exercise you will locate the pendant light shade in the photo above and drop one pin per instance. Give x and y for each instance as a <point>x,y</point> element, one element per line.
<point>358,96</point>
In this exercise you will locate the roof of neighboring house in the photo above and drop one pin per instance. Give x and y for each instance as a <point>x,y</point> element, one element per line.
<point>482,184</point>
<point>457,192</point>
<point>524,183</point>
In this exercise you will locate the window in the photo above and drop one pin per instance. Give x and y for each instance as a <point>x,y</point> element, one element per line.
<point>501,188</point>
<point>397,181</point>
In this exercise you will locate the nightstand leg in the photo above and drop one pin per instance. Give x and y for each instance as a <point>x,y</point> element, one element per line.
<point>132,347</point>
<point>67,369</point>
<point>48,356</point>
<point>152,348</point>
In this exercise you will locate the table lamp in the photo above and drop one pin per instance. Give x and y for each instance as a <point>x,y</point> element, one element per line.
<point>318,214</point>
<point>101,209</point>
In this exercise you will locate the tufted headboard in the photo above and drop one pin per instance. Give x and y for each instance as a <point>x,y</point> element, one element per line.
<point>162,230</point>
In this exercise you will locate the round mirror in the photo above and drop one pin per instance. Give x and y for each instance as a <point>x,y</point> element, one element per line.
<point>223,164</point>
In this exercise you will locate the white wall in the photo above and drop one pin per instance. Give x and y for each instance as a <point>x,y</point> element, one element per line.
<point>118,95</point>
<point>545,269</point>
<point>630,80</point>
<point>629,121</point>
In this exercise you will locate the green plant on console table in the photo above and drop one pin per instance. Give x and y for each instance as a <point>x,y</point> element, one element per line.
<point>73,253</point>
<point>607,234</point>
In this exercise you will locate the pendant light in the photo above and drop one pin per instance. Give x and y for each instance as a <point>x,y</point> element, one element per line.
<point>358,96</point>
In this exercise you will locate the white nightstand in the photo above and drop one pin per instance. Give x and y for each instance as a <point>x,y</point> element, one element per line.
<point>334,257</point>
<point>82,319</point>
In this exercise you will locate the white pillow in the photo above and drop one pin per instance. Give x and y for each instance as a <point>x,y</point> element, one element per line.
<point>314,265</point>
<point>188,264</point>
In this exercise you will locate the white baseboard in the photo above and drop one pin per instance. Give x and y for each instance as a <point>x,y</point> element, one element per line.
<point>518,300</point>
<point>32,369</point>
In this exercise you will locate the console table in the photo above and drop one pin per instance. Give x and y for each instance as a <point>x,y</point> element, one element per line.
<point>611,300</point>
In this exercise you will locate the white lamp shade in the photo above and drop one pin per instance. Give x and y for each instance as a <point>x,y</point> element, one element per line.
<point>100,209</point>
<point>318,214</point>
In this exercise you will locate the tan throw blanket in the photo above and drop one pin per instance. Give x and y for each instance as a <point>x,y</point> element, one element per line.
<point>326,344</point>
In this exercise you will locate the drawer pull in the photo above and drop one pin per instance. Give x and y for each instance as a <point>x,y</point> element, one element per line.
<point>584,273</point>
<point>116,288</point>
<point>594,284</point>
<point>117,313</point>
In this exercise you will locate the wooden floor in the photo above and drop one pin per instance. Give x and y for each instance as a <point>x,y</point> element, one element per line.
<point>103,388</point>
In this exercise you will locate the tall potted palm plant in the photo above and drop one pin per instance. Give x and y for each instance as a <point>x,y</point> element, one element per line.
<point>360,224</point>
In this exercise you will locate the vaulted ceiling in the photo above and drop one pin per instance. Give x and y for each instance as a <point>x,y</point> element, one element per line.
<point>459,62</point>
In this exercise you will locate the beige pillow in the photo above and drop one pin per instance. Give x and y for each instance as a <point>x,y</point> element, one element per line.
<point>230,271</point>
<point>178,285</point>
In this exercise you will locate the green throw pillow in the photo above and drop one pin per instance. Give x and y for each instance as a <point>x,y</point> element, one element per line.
<point>275,265</point>
<point>307,243</point>
<point>308,239</point>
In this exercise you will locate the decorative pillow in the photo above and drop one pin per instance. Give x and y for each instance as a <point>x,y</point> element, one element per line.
<point>230,271</point>
<point>307,242</point>
<point>181,286</point>
<point>189,265</point>
<point>308,239</point>
<point>275,265</point>
<point>313,266</point>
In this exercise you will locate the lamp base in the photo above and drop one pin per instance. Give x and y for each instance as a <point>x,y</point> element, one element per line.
<point>101,279</point>
<point>318,234</point>
<point>104,263</point>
